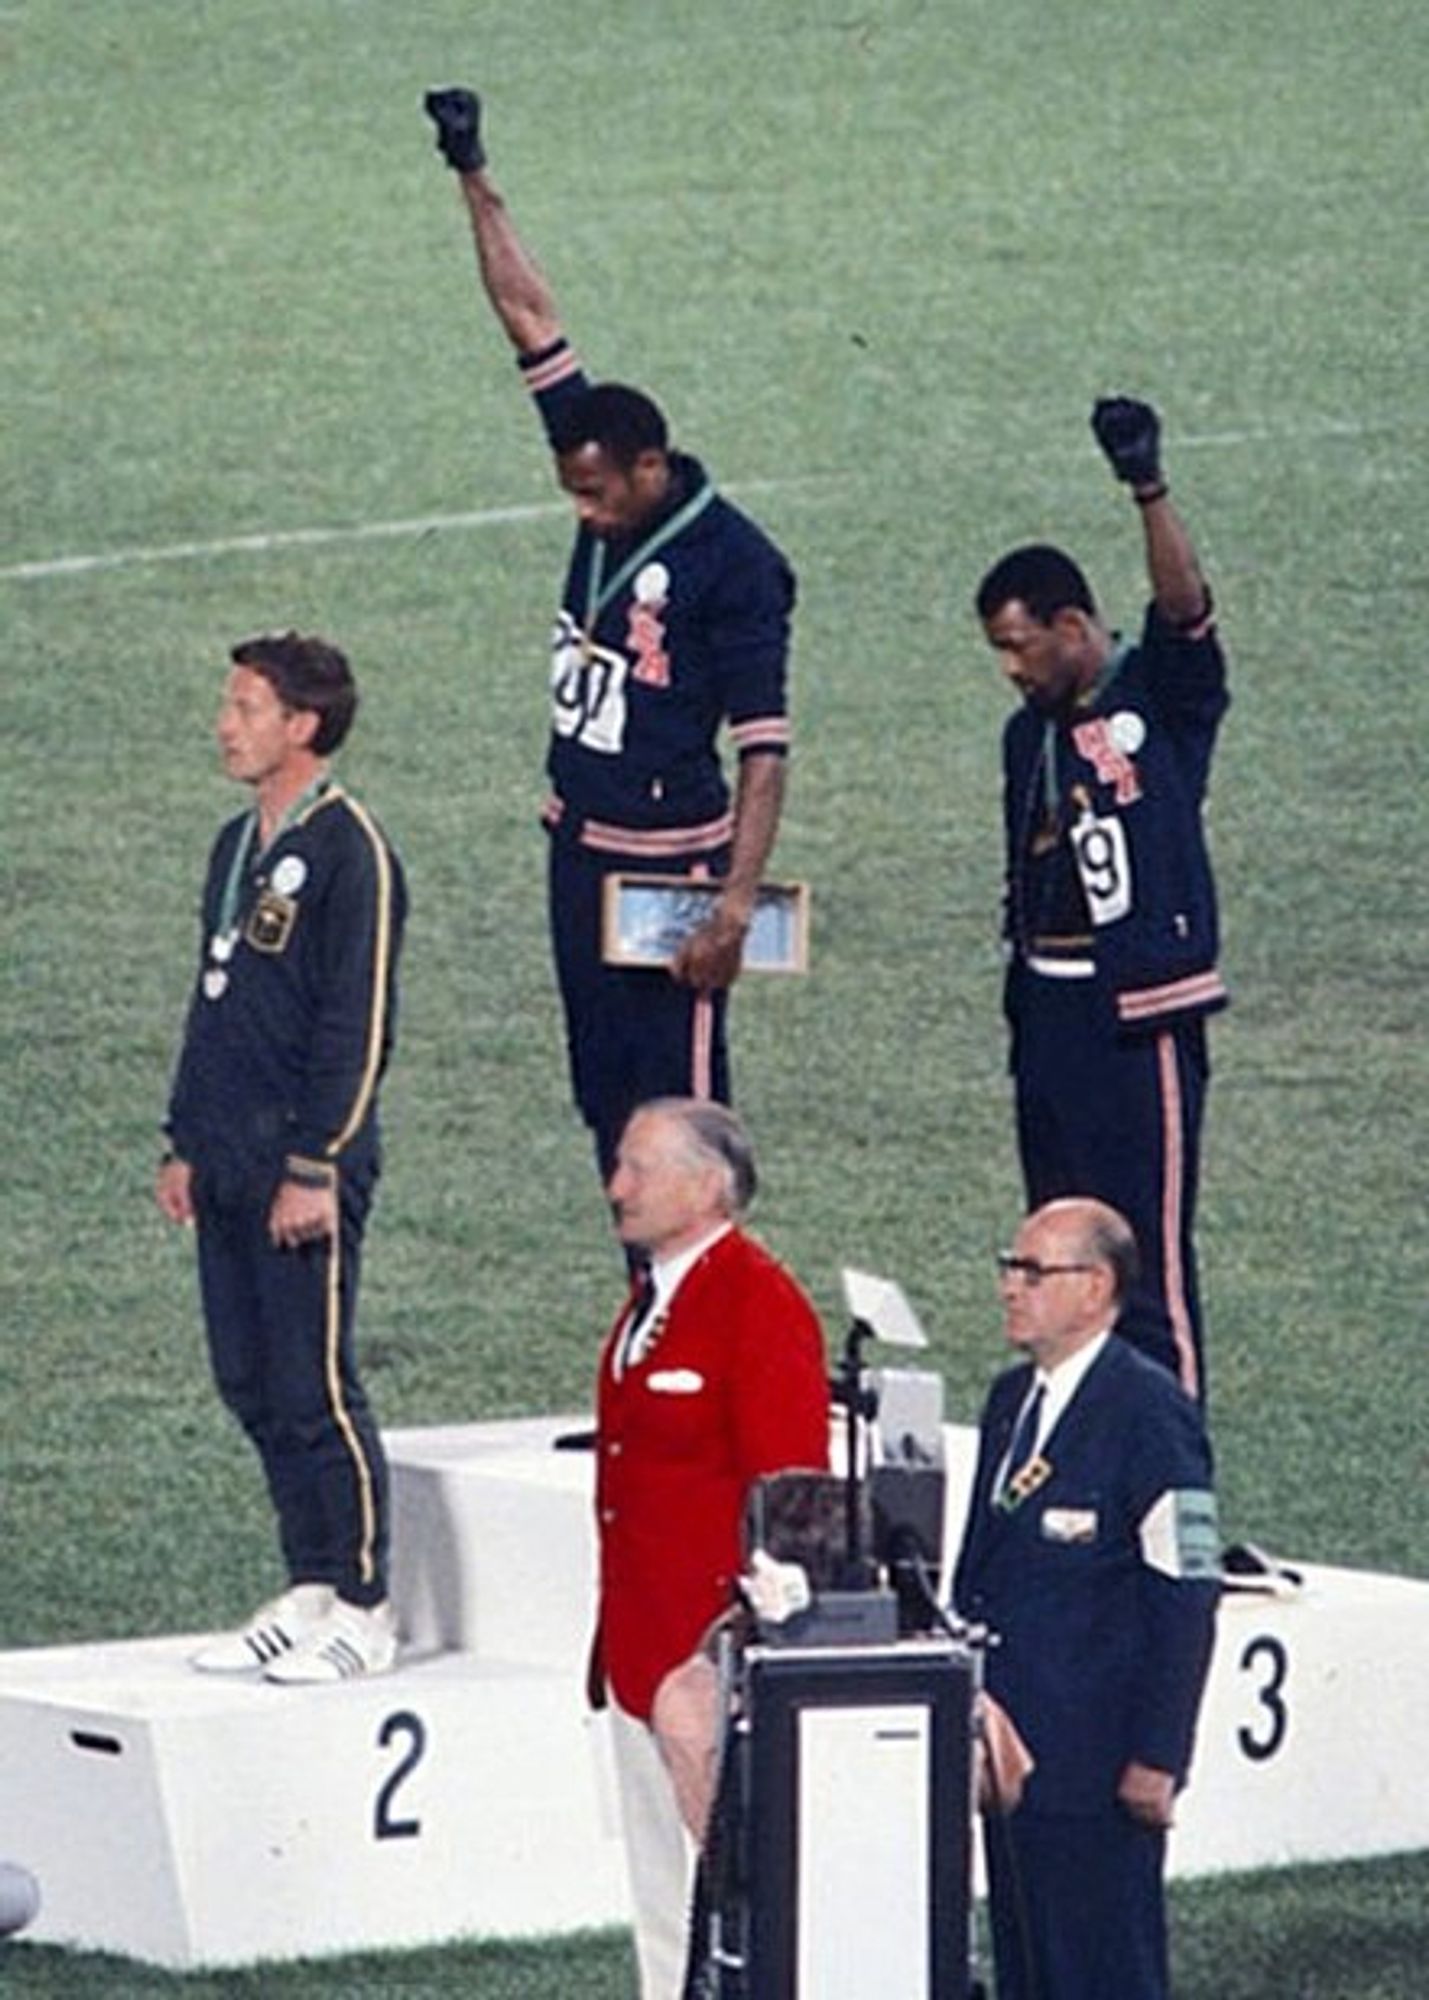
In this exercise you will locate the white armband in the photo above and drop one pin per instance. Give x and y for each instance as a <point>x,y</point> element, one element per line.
<point>1179,1535</point>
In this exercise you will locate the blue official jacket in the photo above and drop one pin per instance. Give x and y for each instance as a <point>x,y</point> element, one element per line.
<point>1102,1583</point>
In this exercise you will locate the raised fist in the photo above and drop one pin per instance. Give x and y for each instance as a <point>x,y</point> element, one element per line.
<point>1130,434</point>
<point>457,117</point>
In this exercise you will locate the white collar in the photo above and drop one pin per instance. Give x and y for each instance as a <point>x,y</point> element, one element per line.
<point>667,1274</point>
<point>1062,1382</point>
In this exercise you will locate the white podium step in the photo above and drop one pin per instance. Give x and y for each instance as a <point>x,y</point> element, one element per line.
<point>197,1822</point>
<point>192,1821</point>
<point>1314,1733</point>
<point>493,1540</point>
<point>1311,1719</point>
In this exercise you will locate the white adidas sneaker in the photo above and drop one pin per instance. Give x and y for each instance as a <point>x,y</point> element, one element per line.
<point>275,1629</point>
<point>352,1640</point>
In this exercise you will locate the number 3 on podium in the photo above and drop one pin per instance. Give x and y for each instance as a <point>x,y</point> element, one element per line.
<point>1274,1662</point>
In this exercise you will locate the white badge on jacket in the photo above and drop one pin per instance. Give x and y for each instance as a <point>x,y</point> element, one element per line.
<point>676,1382</point>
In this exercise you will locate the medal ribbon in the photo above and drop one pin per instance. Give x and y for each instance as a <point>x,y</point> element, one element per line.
<point>599,594</point>
<point>1106,674</point>
<point>233,887</point>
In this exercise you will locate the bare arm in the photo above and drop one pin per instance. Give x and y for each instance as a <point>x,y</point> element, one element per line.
<point>519,294</point>
<point>710,957</point>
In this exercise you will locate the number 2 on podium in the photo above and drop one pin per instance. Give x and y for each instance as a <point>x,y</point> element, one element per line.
<point>406,1727</point>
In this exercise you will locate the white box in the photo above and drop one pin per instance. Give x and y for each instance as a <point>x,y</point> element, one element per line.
<point>193,1821</point>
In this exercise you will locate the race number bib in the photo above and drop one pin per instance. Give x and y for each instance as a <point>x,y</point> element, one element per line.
<point>1100,851</point>
<point>587,691</point>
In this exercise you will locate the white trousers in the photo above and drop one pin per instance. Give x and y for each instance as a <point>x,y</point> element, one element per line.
<point>660,1856</point>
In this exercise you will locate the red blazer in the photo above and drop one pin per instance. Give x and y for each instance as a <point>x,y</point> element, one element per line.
<point>734,1385</point>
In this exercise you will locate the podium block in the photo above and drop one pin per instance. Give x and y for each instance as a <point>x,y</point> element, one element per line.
<point>1310,1718</point>
<point>493,1540</point>
<point>190,1821</point>
<point>195,1821</point>
<point>1313,1728</point>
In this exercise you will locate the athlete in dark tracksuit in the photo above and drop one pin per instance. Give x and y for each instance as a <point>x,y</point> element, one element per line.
<point>691,632</point>
<point>1110,909</point>
<point>674,624</point>
<point>272,1114</point>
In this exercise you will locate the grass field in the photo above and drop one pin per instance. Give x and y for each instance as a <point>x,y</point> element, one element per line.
<point>876,263</point>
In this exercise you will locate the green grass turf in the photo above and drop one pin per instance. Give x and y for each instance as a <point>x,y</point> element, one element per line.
<point>1349,1932</point>
<point>876,263</point>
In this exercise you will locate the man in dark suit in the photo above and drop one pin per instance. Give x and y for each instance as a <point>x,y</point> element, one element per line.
<point>1091,1551</point>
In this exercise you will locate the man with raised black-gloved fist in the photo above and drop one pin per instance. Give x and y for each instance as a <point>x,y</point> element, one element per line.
<point>1110,907</point>
<point>674,621</point>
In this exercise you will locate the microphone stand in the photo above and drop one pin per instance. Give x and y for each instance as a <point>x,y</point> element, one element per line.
<point>858,1402</point>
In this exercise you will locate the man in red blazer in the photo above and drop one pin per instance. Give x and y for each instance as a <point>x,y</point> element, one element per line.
<point>713,1375</point>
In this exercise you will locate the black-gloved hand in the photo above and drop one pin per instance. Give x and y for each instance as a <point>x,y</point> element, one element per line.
<point>1130,434</point>
<point>457,117</point>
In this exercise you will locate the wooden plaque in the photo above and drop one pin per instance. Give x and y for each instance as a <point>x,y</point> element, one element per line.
<point>647,917</point>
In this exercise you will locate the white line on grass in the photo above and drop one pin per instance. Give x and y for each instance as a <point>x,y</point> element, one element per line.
<point>1326,427</point>
<point>497,517</point>
<point>296,538</point>
<point>289,538</point>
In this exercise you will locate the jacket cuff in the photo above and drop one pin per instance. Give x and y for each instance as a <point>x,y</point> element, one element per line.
<point>309,1172</point>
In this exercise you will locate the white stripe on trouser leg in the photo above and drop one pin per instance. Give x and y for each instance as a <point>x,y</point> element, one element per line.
<point>702,1048</point>
<point>362,1471</point>
<point>659,1854</point>
<point>701,1023</point>
<point>1173,1183</point>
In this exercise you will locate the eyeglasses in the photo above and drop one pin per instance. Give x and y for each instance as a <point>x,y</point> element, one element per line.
<point>1031,1271</point>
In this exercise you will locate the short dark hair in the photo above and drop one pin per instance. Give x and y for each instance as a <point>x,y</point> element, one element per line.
<point>624,422</point>
<point>306,674</point>
<point>1043,578</point>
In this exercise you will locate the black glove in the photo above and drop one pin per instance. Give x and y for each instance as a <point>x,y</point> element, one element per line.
<point>457,117</point>
<point>1130,434</point>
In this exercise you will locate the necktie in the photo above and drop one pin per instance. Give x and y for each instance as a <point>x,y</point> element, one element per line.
<point>1024,1437</point>
<point>641,1305</point>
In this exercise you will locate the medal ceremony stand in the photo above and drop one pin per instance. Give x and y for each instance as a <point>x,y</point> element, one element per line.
<point>192,1821</point>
